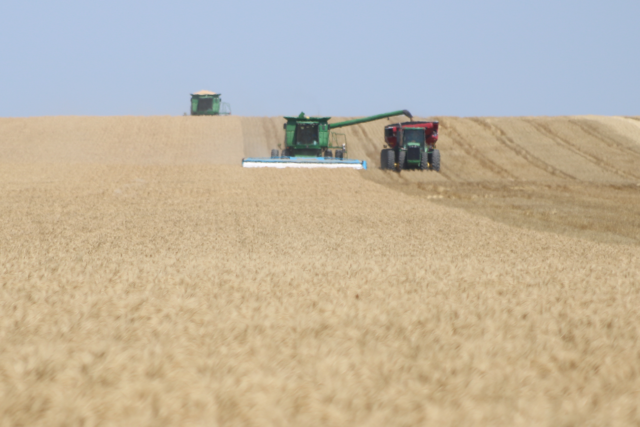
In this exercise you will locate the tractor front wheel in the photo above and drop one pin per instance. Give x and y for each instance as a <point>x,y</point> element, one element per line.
<point>339,154</point>
<point>402,156</point>
<point>328,154</point>
<point>435,160</point>
<point>424,162</point>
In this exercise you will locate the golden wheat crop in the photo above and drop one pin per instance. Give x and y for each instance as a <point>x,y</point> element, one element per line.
<point>156,287</point>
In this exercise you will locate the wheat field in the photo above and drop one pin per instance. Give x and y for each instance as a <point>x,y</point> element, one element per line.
<point>147,279</point>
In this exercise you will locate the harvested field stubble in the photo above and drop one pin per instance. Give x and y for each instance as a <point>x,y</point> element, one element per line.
<point>196,294</point>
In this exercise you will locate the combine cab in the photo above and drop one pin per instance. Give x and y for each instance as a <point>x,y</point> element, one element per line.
<point>412,145</point>
<point>206,103</point>
<point>309,143</point>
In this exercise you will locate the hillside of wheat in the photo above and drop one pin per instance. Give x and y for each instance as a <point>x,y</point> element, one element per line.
<point>147,279</point>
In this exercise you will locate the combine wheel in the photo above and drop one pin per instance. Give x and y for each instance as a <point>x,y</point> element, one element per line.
<point>402,156</point>
<point>328,154</point>
<point>435,160</point>
<point>275,153</point>
<point>339,154</point>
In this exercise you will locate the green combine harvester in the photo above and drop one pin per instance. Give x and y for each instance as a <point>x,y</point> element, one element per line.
<point>309,143</point>
<point>205,103</point>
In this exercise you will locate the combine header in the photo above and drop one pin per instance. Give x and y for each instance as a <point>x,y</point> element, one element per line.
<point>309,143</point>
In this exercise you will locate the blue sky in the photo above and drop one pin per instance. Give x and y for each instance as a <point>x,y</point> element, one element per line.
<point>334,58</point>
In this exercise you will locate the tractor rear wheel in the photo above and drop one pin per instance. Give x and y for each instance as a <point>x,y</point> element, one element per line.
<point>435,160</point>
<point>328,154</point>
<point>339,154</point>
<point>388,159</point>
<point>402,156</point>
<point>383,159</point>
<point>275,153</point>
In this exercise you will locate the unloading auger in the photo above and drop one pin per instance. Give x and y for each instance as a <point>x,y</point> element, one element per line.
<point>309,143</point>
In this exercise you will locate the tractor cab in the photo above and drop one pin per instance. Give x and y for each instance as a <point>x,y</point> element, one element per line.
<point>413,141</point>
<point>413,137</point>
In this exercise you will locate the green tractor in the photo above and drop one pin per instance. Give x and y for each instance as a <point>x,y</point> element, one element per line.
<point>412,145</point>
